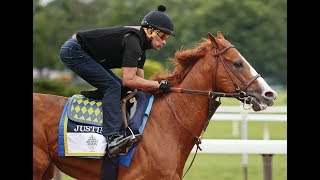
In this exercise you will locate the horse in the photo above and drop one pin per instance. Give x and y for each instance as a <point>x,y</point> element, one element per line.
<point>213,68</point>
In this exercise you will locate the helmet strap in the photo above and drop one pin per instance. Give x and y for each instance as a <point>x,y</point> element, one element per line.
<point>150,36</point>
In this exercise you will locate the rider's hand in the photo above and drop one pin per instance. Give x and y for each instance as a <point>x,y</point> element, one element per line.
<point>164,86</point>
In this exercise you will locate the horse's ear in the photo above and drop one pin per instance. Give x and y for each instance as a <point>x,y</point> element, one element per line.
<point>220,35</point>
<point>213,40</point>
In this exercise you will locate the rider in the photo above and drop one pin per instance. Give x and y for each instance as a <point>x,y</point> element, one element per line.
<point>91,54</point>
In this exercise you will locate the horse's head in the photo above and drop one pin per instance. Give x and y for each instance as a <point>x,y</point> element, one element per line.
<point>235,74</point>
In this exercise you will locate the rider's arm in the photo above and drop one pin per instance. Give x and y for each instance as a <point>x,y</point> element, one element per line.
<point>132,66</point>
<point>131,78</point>
<point>140,72</point>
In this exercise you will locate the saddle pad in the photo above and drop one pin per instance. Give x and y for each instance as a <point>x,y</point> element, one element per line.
<point>81,138</point>
<point>84,110</point>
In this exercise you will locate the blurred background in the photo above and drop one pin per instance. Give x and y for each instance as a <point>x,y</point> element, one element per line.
<point>257,28</point>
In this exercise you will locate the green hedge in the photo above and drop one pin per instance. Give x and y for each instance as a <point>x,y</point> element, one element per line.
<point>59,88</point>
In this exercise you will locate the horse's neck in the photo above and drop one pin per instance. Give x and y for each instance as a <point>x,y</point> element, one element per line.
<point>192,109</point>
<point>183,116</point>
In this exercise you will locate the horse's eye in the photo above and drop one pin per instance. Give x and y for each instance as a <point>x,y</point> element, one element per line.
<point>238,64</point>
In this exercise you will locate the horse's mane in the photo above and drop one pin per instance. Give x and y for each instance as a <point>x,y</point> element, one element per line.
<point>183,61</point>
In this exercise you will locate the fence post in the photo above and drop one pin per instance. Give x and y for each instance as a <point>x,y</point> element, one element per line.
<point>235,128</point>
<point>244,133</point>
<point>267,166</point>
<point>266,135</point>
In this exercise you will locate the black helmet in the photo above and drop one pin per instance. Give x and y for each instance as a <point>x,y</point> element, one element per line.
<point>158,20</point>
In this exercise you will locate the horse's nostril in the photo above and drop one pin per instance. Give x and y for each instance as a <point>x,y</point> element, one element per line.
<point>270,94</point>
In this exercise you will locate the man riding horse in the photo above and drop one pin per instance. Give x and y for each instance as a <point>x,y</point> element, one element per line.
<point>92,54</point>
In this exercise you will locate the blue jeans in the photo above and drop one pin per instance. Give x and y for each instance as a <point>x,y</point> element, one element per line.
<point>81,63</point>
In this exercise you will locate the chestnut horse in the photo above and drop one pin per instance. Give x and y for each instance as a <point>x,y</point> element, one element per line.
<point>214,68</point>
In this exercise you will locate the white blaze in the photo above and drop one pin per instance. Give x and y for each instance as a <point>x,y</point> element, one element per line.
<point>263,84</point>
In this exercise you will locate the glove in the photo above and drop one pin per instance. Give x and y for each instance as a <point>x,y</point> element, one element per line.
<point>165,86</point>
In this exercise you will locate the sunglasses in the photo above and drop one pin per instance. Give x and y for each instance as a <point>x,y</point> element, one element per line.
<point>162,35</point>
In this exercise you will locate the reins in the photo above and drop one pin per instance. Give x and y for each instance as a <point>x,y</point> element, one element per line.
<point>210,94</point>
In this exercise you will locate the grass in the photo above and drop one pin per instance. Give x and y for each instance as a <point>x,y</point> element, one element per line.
<point>223,130</point>
<point>230,167</point>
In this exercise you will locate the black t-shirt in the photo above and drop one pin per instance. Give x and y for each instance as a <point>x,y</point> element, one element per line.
<point>132,56</point>
<point>115,47</point>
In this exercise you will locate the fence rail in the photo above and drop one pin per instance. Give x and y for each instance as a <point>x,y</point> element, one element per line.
<point>237,113</point>
<point>267,148</point>
<point>237,146</point>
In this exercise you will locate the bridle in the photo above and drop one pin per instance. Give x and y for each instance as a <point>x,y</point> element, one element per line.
<point>228,68</point>
<point>240,94</point>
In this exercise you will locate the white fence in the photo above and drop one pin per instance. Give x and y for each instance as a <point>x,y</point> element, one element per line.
<point>265,147</point>
<point>237,114</point>
<point>237,146</point>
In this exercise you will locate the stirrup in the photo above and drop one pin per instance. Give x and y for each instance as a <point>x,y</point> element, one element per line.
<point>123,148</point>
<point>132,142</point>
<point>115,151</point>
